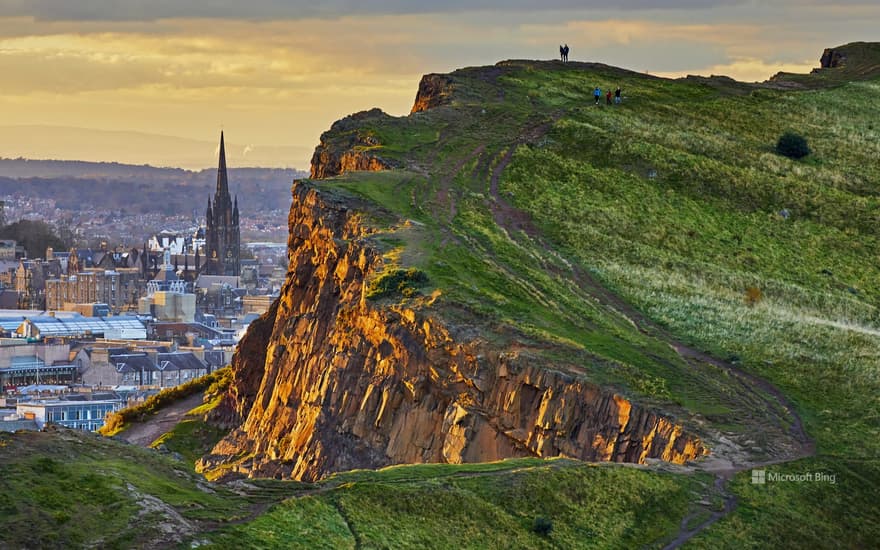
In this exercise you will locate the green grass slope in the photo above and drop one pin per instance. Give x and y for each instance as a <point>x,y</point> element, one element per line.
<point>478,506</point>
<point>68,489</point>
<point>521,191</point>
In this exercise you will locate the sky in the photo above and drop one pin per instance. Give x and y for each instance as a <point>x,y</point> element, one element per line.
<point>154,81</point>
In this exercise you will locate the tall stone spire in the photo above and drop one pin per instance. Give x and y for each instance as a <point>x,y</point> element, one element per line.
<point>222,194</point>
<point>222,232</point>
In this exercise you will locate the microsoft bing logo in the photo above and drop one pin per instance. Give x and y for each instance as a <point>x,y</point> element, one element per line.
<point>759,477</point>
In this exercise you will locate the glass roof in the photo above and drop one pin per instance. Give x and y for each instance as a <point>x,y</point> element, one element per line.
<point>59,326</point>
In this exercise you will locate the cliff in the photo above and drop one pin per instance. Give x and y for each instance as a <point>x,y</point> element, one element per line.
<point>839,65</point>
<point>346,147</point>
<point>328,381</point>
<point>434,90</point>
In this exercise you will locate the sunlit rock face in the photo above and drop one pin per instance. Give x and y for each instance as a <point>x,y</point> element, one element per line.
<point>347,148</point>
<point>327,381</point>
<point>434,90</point>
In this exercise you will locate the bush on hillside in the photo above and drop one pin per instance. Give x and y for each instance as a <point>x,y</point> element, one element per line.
<point>792,145</point>
<point>753,295</point>
<point>542,526</point>
<point>396,281</point>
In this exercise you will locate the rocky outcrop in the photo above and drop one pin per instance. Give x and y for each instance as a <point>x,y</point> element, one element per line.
<point>434,90</point>
<point>251,351</point>
<point>346,147</point>
<point>328,381</point>
<point>832,58</point>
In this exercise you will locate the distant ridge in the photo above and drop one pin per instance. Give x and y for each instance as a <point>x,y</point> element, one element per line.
<point>138,148</point>
<point>40,168</point>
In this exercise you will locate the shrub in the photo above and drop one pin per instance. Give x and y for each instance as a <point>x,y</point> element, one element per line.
<point>542,526</point>
<point>396,281</point>
<point>753,295</point>
<point>792,145</point>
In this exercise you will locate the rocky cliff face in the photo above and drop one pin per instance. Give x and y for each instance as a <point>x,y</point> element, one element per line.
<point>327,381</point>
<point>832,58</point>
<point>346,147</point>
<point>434,90</point>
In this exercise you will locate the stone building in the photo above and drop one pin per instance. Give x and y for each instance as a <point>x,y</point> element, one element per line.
<point>118,288</point>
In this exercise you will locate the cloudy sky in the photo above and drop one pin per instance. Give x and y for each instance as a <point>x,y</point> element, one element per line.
<point>83,78</point>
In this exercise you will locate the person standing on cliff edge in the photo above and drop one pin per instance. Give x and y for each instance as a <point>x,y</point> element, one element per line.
<point>565,53</point>
<point>561,53</point>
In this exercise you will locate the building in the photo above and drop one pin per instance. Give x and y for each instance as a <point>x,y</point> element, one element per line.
<point>74,325</point>
<point>222,232</point>
<point>167,298</point>
<point>23,363</point>
<point>118,288</point>
<point>179,367</point>
<point>79,415</point>
<point>256,304</point>
<point>30,281</point>
<point>220,296</point>
<point>126,367</point>
<point>188,333</point>
<point>7,249</point>
<point>88,310</point>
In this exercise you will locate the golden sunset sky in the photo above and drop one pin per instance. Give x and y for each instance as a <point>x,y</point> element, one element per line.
<point>154,81</point>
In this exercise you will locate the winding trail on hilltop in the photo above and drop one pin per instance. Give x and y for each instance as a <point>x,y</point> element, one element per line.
<point>444,193</point>
<point>513,219</point>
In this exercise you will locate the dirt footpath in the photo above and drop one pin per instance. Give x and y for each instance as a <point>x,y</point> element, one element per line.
<point>144,433</point>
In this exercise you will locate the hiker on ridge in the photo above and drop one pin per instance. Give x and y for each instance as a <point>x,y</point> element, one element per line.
<point>617,95</point>
<point>565,53</point>
<point>597,94</point>
<point>561,53</point>
<point>608,98</point>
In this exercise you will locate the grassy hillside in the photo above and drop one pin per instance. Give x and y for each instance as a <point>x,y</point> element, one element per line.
<point>65,489</point>
<point>523,194</point>
<point>478,506</point>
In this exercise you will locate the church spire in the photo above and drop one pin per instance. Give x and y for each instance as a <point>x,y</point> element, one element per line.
<point>222,195</point>
<point>235,212</point>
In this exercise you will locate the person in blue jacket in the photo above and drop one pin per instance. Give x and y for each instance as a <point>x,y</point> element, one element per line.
<point>597,94</point>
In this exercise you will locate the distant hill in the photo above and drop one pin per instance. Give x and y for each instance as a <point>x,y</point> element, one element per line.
<point>137,148</point>
<point>35,168</point>
<point>114,187</point>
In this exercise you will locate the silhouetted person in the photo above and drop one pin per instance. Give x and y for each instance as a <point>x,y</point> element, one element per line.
<point>597,94</point>
<point>565,53</point>
<point>617,96</point>
<point>561,53</point>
